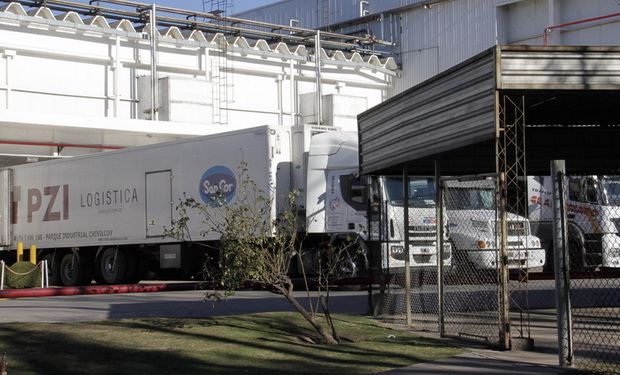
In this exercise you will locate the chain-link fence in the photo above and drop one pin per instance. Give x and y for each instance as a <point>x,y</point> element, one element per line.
<point>410,243</point>
<point>470,297</point>
<point>471,292</point>
<point>467,297</point>
<point>592,213</point>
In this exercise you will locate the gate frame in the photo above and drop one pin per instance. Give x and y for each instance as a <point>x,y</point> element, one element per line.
<point>502,264</point>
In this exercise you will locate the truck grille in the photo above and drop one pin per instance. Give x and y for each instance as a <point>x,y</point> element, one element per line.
<point>421,228</point>
<point>422,235</point>
<point>422,243</point>
<point>517,228</point>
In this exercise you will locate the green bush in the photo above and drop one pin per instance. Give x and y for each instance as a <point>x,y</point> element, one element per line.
<point>30,280</point>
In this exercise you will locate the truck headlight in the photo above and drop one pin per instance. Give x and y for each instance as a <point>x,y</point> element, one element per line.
<point>397,252</point>
<point>534,243</point>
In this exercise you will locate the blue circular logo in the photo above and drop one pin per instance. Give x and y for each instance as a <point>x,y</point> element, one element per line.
<point>217,186</point>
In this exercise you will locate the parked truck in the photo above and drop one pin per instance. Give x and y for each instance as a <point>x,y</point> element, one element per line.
<point>474,229</point>
<point>593,213</point>
<point>104,216</point>
<point>422,226</point>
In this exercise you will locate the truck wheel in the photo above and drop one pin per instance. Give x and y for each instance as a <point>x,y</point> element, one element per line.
<point>576,250</point>
<point>113,265</point>
<point>53,267</point>
<point>76,269</point>
<point>352,265</point>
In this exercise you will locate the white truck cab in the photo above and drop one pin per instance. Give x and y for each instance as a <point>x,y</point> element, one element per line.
<point>473,222</point>
<point>335,198</point>
<point>422,230</point>
<point>593,213</point>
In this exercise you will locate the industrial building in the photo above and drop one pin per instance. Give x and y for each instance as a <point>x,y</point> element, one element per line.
<point>426,37</point>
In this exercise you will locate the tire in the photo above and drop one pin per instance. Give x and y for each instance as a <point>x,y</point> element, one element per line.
<point>113,264</point>
<point>353,265</point>
<point>576,250</point>
<point>53,267</point>
<point>76,269</point>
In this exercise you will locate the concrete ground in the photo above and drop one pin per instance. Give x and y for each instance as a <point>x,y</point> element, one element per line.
<point>542,359</point>
<point>489,362</point>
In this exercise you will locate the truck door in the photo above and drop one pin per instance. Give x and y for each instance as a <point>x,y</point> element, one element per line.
<point>5,207</point>
<point>158,202</point>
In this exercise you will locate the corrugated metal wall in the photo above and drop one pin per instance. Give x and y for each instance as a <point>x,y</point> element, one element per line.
<point>565,68</point>
<point>438,38</point>
<point>455,109</point>
<point>435,39</point>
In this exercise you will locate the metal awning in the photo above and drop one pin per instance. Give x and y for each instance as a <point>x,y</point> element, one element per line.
<point>570,96</point>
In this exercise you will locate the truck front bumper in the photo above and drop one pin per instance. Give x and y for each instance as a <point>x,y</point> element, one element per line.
<point>611,250</point>
<point>522,258</point>
<point>419,256</point>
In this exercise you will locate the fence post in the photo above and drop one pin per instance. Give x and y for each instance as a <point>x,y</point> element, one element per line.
<point>408,319</point>
<point>439,241</point>
<point>2,275</point>
<point>504,292</point>
<point>560,263</point>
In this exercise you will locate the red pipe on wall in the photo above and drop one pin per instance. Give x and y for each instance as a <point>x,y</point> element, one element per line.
<point>585,20</point>
<point>44,144</point>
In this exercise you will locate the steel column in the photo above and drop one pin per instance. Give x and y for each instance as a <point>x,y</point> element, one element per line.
<point>406,243</point>
<point>560,258</point>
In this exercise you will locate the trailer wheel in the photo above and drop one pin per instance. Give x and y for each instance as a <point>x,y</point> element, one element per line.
<point>53,267</point>
<point>76,269</point>
<point>113,265</point>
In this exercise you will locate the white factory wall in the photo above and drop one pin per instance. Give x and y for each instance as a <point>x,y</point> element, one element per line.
<point>86,82</point>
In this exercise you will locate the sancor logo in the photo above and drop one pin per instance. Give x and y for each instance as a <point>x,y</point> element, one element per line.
<point>217,186</point>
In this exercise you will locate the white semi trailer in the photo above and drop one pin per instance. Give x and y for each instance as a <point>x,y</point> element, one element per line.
<point>104,215</point>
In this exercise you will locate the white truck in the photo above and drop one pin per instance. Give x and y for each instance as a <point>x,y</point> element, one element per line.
<point>474,229</point>
<point>593,213</point>
<point>103,216</point>
<point>422,229</point>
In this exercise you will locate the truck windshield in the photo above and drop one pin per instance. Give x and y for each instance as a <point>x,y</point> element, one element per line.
<point>421,191</point>
<point>470,199</point>
<point>611,189</point>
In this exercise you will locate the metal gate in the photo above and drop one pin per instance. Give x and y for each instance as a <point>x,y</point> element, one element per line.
<point>408,244</point>
<point>471,292</point>
<point>459,296</point>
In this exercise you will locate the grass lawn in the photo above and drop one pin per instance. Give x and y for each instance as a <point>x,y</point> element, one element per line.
<point>271,343</point>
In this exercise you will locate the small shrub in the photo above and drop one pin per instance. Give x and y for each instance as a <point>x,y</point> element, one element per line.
<point>31,279</point>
